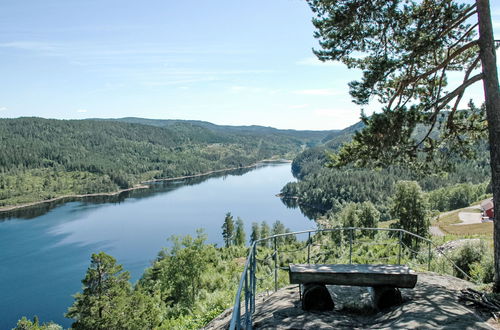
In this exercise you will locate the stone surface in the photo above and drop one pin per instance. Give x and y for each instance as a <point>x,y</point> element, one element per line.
<point>432,304</point>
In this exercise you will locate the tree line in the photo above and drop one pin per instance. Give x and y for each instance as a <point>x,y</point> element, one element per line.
<point>321,190</point>
<point>46,158</point>
<point>233,233</point>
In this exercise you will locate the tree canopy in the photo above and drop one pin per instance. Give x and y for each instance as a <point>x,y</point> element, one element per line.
<point>410,208</point>
<point>406,50</point>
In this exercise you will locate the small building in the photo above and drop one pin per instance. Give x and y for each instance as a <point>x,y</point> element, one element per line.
<point>487,208</point>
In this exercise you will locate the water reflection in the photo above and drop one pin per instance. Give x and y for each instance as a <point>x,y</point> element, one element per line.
<point>308,211</point>
<point>35,211</point>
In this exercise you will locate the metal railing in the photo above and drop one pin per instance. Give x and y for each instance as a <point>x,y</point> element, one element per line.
<point>248,281</point>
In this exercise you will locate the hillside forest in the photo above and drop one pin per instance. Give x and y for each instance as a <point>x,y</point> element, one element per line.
<point>44,158</point>
<point>324,191</point>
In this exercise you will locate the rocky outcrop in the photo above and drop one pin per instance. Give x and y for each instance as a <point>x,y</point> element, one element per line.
<point>432,304</point>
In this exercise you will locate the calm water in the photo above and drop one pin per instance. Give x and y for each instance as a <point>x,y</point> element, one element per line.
<point>45,251</point>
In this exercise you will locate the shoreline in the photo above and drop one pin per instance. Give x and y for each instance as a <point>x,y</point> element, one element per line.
<point>142,185</point>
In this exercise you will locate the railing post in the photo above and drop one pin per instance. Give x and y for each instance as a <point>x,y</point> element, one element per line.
<point>253,278</point>
<point>430,256</point>
<point>248,320</point>
<point>238,315</point>
<point>350,245</point>
<point>309,248</point>
<point>275,265</point>
<point>400,246</point>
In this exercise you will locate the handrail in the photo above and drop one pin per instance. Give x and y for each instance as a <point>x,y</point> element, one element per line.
<point>248,276</point>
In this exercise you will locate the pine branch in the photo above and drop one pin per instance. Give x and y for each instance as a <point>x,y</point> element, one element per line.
<point>447,60</point>
<point>450,96</point>
<point>459,98</point>
<point>467,14</point>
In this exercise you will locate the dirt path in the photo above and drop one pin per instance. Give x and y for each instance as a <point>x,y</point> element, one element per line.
<point>436,231</point>
<point>469,218</point>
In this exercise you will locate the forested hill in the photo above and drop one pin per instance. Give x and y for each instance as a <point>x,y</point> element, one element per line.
<point>310,137</point>
<point>326,191</point>
<point>46,158</point>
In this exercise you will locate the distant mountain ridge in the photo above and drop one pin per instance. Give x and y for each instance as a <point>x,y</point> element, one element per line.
<point>252,129</point>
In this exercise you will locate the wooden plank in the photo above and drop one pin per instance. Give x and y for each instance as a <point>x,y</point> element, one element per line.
<point>357,275</point>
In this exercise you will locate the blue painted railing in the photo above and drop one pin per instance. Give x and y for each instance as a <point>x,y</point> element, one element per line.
<point>247,285</point>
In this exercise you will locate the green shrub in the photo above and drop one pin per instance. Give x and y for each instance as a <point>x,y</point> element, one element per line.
<point>483,272</point>
<point>468,255</point>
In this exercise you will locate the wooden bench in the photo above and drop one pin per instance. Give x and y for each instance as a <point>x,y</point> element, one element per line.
<point>385,280</point>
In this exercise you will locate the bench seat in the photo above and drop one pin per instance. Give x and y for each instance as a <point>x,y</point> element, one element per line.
<point>397,276</point>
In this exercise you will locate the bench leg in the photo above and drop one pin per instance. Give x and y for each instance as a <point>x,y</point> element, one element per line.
<point>385,297</point>
<point>315,297</point>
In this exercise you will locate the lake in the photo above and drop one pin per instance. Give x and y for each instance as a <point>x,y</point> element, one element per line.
<point>46,249</point>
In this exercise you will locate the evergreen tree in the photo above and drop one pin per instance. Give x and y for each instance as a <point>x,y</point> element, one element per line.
<point>103,302</point>
<point>255,235</point>
<point>369,217</point>
<point>290,239</point>
<point>265,231</point>
<point>228,229</point>
<point>410,207</point>
<point>239,236</point>
<point>278,228</point>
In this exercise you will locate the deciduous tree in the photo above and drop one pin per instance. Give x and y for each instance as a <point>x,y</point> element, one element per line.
<point>410,208</point>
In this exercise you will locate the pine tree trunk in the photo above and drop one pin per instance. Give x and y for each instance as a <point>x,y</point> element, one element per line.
<point>492,101</point>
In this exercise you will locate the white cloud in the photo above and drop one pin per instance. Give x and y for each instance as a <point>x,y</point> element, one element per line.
<point>82,110</point>
<point>319,91</point>
<point>3,108</point>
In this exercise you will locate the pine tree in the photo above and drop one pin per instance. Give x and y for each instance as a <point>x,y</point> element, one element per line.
<point>265,232</point>
<point>278,228</point>
<point>239,236</point>
<point>228,229</point>
<point>255,235</point>
<point>104,300</point>
<point>406,49</point>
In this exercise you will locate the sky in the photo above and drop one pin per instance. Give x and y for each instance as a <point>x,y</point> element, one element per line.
<point>224,61</point>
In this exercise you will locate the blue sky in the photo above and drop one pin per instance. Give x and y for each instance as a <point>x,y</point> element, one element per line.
<point>223,61</point>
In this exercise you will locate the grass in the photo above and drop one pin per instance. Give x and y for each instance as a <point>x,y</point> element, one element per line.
<point>448,219</point>
<point>485,228</point>
<point>472,210</point>
<point>447,223</point>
